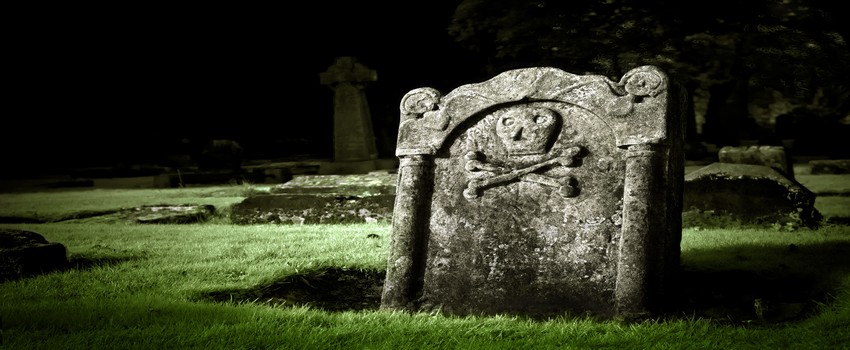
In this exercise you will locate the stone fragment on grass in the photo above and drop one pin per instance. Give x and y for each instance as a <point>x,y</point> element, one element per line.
<point>26,253</point>
<point>747,194</point>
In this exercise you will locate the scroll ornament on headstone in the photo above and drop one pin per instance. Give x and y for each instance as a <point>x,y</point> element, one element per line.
<point>538,192</point>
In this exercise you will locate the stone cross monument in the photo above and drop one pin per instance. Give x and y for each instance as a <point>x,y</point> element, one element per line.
<point>539,192</point>
<point>354,140</point>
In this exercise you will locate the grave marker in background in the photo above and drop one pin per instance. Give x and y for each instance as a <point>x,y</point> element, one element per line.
<point>354,140</point>
<point>538,192</point>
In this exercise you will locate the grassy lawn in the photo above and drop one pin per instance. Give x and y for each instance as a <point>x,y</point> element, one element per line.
<point>144,286</point>
<point>207,286</point>
<point>57,205</point>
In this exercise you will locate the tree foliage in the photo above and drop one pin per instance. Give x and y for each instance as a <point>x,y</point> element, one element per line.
<point>796,47</point>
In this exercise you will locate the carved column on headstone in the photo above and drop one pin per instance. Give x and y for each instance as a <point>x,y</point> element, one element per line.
<point>405,264</point>
<point>648,252</point>
<point>408,236</point>
<point>354,139</point>
<point>641,211</point>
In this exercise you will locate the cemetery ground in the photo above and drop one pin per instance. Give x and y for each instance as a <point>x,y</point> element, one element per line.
<point>215,284</point>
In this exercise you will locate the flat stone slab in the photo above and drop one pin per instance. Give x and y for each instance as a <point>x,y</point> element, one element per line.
<point>155,214</point>
<point>312,209</point>
<point>361,185</point>
<point>26,253</point>
<point>830,166</point>
<point>750,194</point>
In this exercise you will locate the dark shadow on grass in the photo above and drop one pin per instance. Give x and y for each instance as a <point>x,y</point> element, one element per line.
<point>839,220</point>
<point>86,262</point>
<point>333,289</point>
<point>20,220</point>
<point>792,284</point>
<point>75,262</point>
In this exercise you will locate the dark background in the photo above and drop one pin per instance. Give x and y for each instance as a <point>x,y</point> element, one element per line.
<point>118,84</point>
<point>101,86</point>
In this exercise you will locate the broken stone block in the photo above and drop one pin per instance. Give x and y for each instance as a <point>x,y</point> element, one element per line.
<point>748,194</point>
<point>772,156</point>
<point>26,253</point>
<point>539,193</point>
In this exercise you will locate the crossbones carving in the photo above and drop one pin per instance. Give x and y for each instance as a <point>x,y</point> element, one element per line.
<point>489,174</point>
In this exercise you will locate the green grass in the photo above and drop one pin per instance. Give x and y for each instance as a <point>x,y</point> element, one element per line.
<point>143,286</point>
<point>60,205</point>
<point>833,206</point>
<point>139,288</point>
<point>826,184</point>
<point>57,205</point>
<point>832,193</point>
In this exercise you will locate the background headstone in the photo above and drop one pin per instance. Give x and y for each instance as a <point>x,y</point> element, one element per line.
<point>355,150</point>
<point>538,192</point>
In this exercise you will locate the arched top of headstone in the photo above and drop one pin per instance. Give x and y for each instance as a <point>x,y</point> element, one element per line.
<point>347,69</point>
<point>633,107</point>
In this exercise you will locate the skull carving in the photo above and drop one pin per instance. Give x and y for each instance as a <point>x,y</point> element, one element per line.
<point>527,130</point>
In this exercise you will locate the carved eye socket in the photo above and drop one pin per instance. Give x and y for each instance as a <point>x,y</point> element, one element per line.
<point>508,121</point>
<point>541,119</point>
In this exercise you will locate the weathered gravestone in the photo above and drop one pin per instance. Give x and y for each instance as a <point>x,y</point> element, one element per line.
<point>354,140</point>
<point>540,193</point>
